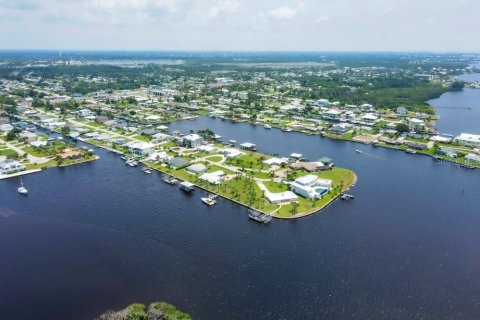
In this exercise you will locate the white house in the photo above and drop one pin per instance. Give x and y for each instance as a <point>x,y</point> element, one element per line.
<point>281,197</point>
<point>192,140</point>
<point>472,158</point>
<point>10,166</point>
<point>332,115</point>
<point>470,140</point>
<point>369,118</point>
<point>311,187</point>
<point>415,124</point>
<point>215,178</point>
<point>141,148</point>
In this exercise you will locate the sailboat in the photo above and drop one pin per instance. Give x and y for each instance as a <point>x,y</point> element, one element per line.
<point>22,189</point>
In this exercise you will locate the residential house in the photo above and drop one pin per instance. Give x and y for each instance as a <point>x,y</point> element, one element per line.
<point>192,141</point>
<point>470,140</point>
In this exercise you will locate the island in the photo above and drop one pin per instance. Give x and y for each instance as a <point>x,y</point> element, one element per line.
<point>155,311</point>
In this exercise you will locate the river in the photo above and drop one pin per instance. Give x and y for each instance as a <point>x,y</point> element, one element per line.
<point>102,235</point>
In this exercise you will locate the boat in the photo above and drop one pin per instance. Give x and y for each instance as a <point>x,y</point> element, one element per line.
<point>359,151</point>
<point>170,180</point>
<point>410,151</point>
<point>125,158</point>
<point>210,199</point>
<point>346,196</point>
<point>22,189</point>
<point>259,217</point>
<point>187,186</point>
<point>287,129</point>
<point>267,126</point>
<point>147,170</point>
<point>131,163</point>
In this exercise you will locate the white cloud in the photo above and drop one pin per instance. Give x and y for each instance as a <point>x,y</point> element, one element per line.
<point>223,7</point>
<point>283,13</point>
<point>133,5</point>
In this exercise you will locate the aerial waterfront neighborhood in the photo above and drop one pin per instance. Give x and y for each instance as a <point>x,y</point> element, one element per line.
<point>135,122</point>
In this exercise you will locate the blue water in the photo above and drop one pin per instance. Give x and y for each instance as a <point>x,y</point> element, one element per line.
<point>101,235</point>
<point>459,112</point>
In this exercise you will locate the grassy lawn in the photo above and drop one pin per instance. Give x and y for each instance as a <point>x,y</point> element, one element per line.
<point>34,151</point>
<point>7,152</point>
<point>213,168</point>
<point>32,166</point>
<point>143,138</point>
<point>251,161</point>
<point>214,158</point>
<point>275,187</point>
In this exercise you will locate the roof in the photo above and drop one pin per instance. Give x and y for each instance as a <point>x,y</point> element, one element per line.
<point>192,137</point>
<point>197,167</point>
<point>281,196</point>
<point>308,179</point>
<point>325,160</point>
<point>178,162</point>
<point>468,137</point>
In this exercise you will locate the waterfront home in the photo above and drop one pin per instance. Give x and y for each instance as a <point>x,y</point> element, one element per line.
<point>331,115</point>
<point>141,148</point>
<point>177,163</point>
<point>415,145</point>
<point>208,148</point>
<point>471,157</point>
<point>231,153</point>
<point>160,137</point>
<point>275,161</point>
<point>248,146</point>
<point>214,178</point>
<point>466,139</point>
<point>5,128</point>
<point>192,141</point>
<point>158,156</point>
<point>27,136</point>
<point>311,187</point>
<point>441,138</point>
<point>369,118</point>
<point>339,129</point>
<point>326,161</point>
<point>415,124</point>
<point>310,166</point>
<point>196,168</point>
<point>9,166</point>
<point>281,197</point>
<point>447,151</point>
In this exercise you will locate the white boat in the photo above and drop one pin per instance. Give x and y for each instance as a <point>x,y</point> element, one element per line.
<point>267,126</point>
<point>147,170</point>
<point>210,200</point>
<point>22,189</point>
<point>359,151</point>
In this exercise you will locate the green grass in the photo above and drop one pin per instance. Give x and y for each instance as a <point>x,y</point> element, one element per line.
<point>214,158</point>
<point>143,138</point>
<point>37,152</point>
<point>7,152</point>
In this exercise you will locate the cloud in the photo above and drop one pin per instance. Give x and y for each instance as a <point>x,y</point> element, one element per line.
<point>223,7</point>
<point>133,6</point>
<point>283,13</point>
<point>19,5</point>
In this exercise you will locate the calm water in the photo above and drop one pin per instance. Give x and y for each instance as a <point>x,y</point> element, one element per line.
<point>102,235</point>
<point>459,112</point>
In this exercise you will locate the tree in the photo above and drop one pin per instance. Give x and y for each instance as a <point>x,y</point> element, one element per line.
<point>13,134</point>
<point>457,85</point>
<point>402,127</point>
<point>65,130</point>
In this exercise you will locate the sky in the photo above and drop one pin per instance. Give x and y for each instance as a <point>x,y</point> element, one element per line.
<point>241,25</point>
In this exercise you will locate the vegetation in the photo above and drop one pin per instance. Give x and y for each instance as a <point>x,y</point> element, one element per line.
<point>155,311</point>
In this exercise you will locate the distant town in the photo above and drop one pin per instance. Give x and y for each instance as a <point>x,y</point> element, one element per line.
<point>127,109</point>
